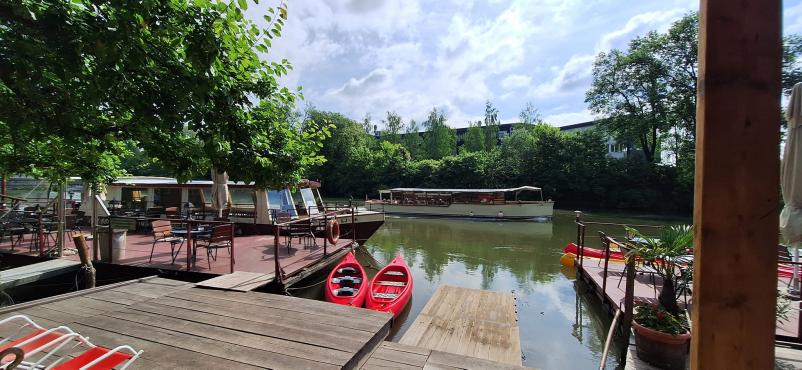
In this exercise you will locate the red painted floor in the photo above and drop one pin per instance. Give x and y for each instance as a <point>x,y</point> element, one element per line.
<point>253,253</point>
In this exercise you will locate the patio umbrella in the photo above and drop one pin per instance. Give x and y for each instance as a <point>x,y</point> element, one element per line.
<point>219,191</point>
<point>791,179</point>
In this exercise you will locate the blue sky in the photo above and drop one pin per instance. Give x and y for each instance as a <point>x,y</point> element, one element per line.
<point>370,56</point>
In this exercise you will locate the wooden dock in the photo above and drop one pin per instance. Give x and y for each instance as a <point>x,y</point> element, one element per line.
<point>392,355</point>
<point>35,272</point>
<point>182,326</point>
<point>241,281</point>
<point>469,322</point>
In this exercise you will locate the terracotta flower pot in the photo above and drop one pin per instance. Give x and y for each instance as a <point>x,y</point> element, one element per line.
<point>663,350</point>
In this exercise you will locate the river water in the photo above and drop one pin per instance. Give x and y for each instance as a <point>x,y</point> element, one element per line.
<point>561,325</point>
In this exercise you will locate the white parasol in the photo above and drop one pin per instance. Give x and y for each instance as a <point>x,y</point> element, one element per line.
<point>791,179</point>
<point>219,191</point>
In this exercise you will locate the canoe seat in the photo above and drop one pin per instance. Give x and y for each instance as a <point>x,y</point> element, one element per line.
<point>391,283</point>
<point>348,271</point>
<point>346,280</point>
<point>394,273</point>
<point>345,292</point>
<point>385,295</point>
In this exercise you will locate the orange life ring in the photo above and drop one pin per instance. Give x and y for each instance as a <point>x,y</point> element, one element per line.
<point>333,231</point>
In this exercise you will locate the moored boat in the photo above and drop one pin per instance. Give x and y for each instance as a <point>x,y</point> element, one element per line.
<point>592,252</point>
<point>346,282</point>
<point>391,288</point>
<point>521,203</point>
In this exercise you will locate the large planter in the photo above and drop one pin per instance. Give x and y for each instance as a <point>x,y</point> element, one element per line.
<point>665,351</point>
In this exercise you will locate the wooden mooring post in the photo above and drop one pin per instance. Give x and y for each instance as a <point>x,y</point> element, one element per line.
<point>86,260</point>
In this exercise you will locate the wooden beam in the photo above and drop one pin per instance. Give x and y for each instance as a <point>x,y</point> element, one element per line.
<point>737,185</point>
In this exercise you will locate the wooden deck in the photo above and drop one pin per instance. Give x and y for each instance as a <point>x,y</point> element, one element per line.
<point>468,322</point>
<point>392,355</point>
<point>253,253</point>
<point>180,326</point>
<point>645,290</point>
<point>35,272</point>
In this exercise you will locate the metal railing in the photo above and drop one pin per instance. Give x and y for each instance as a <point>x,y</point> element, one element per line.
<point>314,224</point>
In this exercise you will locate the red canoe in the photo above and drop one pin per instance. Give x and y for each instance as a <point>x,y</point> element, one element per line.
<point>391,288</point>
<point>346,281</point>
<point>592,252</point>
<point>783,271</point>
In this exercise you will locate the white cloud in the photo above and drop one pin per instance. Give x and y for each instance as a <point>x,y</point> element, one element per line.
<point>639,25</point>
<point>573,75</point>
<point>792,18</point>
<point>567,118</point>
<point>514,81</point>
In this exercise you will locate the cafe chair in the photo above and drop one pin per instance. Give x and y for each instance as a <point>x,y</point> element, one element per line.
<point>220,238</point>
<point>163,233</point>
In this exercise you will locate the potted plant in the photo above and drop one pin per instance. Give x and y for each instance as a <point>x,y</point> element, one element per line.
<point>661,330</point>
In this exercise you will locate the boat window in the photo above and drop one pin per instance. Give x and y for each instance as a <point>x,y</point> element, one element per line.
<point>167,197</point>
<point>309,201</point>
<point>281,200</point>
<point>242,197</point>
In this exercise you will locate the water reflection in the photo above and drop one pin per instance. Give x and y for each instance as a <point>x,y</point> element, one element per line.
<point>561,326</point>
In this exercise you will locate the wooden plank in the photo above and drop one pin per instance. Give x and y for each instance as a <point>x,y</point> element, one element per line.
<point>263,324</point>
<point>66,296</point>
<point>485,325</point>
<point>225,334</point>
<point>37,271</point>
<point>118,297</point>
<point>168,356</point>
<point>241,281</point>
<point>400,357</point>
<point>382,364</point>
<point>206,346</point>
<point>467,362</point>
<point>736,201</point>
<point>352,319</point>
<point>288,303</point>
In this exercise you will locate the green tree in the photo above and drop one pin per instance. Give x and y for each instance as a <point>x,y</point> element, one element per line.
<point>347,152</point>
<point>474,139</point>
<point>530,115</point>
<point>81,81</point>
<point>491,126</point>
<point>412,140</point>
<point>367,124</point>
<point>393,126</point>
<point>792,61</point>
<point>439,140</point>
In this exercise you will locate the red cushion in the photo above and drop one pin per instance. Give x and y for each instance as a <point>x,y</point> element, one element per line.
<point>92,354</point>
<point>31,346</point>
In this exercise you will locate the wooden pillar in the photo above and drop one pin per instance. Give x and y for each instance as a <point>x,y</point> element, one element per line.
<point>736,199</point>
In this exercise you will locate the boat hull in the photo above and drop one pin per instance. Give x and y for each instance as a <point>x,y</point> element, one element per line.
<point>386,292</point>
<point>511,211</point>
<point>358,299</point>
<point>592,252</point>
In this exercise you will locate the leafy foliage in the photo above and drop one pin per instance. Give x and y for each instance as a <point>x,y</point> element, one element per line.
<point>83,82</point>
<point>655,317</point>
<point>439,140</point>
<point>474,139</point>
<point>662,252</point>
<point>393,126</point>
<point>573,169</point>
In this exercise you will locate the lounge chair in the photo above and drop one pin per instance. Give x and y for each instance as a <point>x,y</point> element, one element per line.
<point>50,341</point>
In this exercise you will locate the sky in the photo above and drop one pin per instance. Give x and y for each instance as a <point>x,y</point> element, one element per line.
<point>359,57</point>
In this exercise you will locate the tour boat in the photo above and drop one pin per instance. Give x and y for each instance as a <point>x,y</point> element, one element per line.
<point>346,283</point>
<point>501,204</point>
<point>391,288</point>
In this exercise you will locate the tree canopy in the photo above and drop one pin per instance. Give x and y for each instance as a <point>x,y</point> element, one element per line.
<point>83,83</point>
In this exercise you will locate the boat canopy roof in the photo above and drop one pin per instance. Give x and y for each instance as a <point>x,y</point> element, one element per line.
<point>424,190</point>
<point>154,181</point>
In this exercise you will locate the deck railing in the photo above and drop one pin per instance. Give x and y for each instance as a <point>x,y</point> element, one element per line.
<point>314,224</point>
